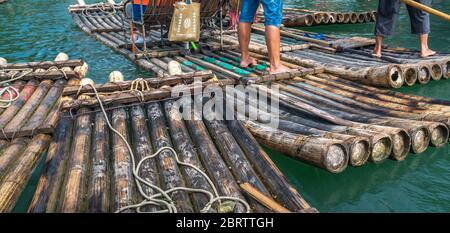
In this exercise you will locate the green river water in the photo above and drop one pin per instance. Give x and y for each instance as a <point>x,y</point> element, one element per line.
<point>35,30</point>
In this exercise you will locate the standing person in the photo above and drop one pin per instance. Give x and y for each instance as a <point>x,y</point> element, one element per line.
<point>273,14</point>
<point>388,11</point>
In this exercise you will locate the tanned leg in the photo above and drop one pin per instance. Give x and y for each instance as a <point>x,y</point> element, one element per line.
<point>424,50</point>
<point>244,31</point>
<point>378,44</point>
<point>273,46</point>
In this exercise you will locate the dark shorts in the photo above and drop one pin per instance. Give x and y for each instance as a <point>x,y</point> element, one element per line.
<point>388,11</point>
<point>273,11</point>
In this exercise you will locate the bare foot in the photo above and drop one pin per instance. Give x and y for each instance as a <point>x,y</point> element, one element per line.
<point>427,53</point>
<point>376,53</point>
<point>279,69</point>
<point>249,61</point>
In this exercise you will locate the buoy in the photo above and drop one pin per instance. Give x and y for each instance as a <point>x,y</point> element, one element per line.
<point>81,2</point>
<point>116,76</point>
<point>111,2</point>
<point>87,81</point>
<point>62,57</point>
<point>174,68</point>
<point>3,61</point>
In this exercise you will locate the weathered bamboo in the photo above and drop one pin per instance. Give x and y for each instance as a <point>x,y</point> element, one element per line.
<point>127,97</point>
<point>383,76</point>
<point>235,158</point>
<point>436,71</point>
<point>420,135</point>
<point>381,143</point>
<point>16,179</point>
<point>152,82</point>
<point>50,183</point>
<point>185,148</point>
<point>72,194</point>
<point>324,153</point>
<point>169,170</point>
<point>43,110</point>
<point>424,74</point>
<point>42,65</point>
<point>358,147</point>
<point>11,153</point>
<point>419,132</point>
<point>28,108</point>
<point>143,147</point>
<point>263,199</point>
<point>11,111</point>
<point>411,74</point>
<point>280,189</point>
<point>123,189</point>
<point>98,188</point>
<point>383,106</point>
<point>400,136</point>
<point>216,167</point>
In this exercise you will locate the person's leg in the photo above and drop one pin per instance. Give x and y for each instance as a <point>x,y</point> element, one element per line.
<point>248,11</point>
<point>420,24</point>
<point>385,23</point>
<point>273,14</point>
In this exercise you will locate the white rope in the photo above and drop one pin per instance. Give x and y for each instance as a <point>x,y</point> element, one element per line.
<point>12,92</point>
<point>162,199</point>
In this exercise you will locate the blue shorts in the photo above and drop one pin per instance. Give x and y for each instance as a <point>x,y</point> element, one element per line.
<point>273,11</point>
<point>137,11</point>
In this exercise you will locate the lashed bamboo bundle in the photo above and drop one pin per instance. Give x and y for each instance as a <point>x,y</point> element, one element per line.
<point>294,17</point>
<point>351,58</point>
<point>85,186</point>
<point>35,109</point>
<point>33,114</point>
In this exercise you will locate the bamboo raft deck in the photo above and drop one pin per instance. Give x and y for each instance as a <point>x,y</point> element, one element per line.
<point>294,17</point>
<point>89,169</point>
<point>28,123</point>
<point>351,58</point>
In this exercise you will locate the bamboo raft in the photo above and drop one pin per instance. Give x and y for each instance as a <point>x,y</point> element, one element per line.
<point>89,169</point>
<point>351,58</point>
<point>27,124</point>
<point>348,58</point>
<point>294,17</point>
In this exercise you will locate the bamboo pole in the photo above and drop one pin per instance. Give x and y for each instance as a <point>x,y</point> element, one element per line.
<point>264,199</point>
<point>73,197</point>
<point>98,188</point>
<point>427,9</point>
<point>123,189</point>
<point>16,179</point>
<point>280,189</point>
<point>186,150</point>
<point>143,147</point>
<point>48,189</point>
<point>328,154</point>
<point>214,165</point>
<point>169,171</point>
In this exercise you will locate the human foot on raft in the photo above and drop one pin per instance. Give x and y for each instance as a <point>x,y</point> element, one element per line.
<point>248,61</point>
<point>278,69</point>
<point>427,53</point>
